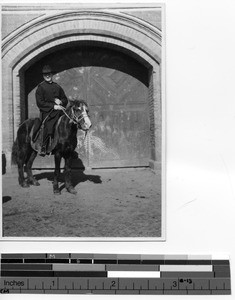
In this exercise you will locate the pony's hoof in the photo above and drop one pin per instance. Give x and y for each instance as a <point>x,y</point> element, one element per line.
<point>33,182</point>
<point>57,192</point>
<point>25,184</point>
<point>72,190</point>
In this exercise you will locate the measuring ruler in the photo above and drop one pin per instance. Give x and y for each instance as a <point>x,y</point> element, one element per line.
<point>114,274</point>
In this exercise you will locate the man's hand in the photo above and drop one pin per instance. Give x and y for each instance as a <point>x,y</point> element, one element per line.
<point>58,107</point>
<point>58,101</point>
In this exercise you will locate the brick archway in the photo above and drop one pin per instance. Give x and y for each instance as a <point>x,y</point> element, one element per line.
<point>27,44</point>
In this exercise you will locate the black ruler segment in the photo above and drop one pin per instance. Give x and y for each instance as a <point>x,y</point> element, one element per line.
<point>129,261</point>
<point>34,261</point>
<point>188,274</point>
<point>81,261</point>
<point>26,267</point>
<point>42,273</point>
<point>105,261</point>
<point>220,262</point>
<point>11,261</point>
<point>85,273</point>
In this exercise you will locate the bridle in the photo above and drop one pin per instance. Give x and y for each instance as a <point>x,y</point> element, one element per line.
<point>73,119</point>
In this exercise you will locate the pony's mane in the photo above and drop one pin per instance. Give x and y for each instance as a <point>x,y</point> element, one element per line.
<point>77,102</point>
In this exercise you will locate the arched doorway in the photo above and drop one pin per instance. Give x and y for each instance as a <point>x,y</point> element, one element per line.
<point>116,87</point>
<point>47,34</point>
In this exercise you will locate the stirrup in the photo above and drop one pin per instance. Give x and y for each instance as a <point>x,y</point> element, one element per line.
<point>43,151</point>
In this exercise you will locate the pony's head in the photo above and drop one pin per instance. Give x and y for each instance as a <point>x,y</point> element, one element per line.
<point>79,114</point>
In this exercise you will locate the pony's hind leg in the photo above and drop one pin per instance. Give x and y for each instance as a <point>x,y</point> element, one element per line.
<point>31,179</point>
<point>56,189</point>
<point>20,162</point>
<point>21,178</point>
<point>22,150</point>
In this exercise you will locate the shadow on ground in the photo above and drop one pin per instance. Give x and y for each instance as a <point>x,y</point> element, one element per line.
<point>6,199</point>
<point>4,163</point>
<point>78,176</point>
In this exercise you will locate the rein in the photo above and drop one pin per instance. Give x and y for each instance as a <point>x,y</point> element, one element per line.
<point>71,119</point>
<point>82,116</point>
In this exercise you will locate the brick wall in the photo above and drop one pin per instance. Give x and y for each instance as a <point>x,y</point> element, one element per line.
<point>11,22</point>
<point>152,116</point>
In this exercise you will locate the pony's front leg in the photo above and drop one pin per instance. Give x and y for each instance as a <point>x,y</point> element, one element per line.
<point>56,189</point>
<point>67,176</point>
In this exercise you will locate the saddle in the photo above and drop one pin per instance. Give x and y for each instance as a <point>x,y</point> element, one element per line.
<point>36,136</point>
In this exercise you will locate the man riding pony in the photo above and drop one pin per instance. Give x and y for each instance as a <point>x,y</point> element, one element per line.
<point>50,99</point>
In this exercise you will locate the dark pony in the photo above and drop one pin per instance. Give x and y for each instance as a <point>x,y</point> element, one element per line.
<point>23,154</point>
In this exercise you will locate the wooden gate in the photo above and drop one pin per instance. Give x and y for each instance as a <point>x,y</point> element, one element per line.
<point>116,88</point>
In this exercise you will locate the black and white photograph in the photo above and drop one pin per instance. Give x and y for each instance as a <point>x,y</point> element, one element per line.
<point>83,101</point>
<point>118,149</point>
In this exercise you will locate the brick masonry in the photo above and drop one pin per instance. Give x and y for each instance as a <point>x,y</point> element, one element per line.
<point>28,33</point>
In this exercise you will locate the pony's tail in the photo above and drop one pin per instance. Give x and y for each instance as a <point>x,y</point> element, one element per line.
<point>14,153</point>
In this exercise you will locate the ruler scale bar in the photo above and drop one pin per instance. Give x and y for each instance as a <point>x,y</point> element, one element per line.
<point>156,262</point>
<point>86,273</point>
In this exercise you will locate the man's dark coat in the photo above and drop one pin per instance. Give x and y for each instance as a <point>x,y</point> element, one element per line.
<point>45,99</point>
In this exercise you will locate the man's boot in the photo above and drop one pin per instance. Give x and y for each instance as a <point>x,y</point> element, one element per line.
<point>49,143</point>
<point>44,147</point>
<point>43,150</point>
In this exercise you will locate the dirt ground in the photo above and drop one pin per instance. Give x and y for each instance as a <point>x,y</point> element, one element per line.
<point>109,203</point>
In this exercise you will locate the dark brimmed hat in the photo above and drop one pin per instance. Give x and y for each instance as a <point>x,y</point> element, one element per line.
<point>47,69</point>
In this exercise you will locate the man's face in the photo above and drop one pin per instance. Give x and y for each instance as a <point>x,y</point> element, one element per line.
<point>48,77</point>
